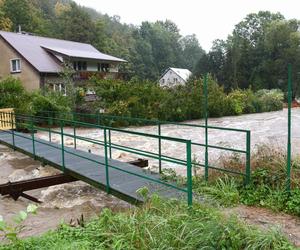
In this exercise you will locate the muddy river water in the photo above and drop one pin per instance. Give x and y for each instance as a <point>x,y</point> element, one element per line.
<point>266,128</point>
<point>67,202</point>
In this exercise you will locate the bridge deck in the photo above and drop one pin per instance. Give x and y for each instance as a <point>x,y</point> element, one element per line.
<point>90,168</point>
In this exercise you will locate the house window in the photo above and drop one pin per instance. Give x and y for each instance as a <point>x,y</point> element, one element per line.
<point>15,65</point>
<point>104,67</point>
<point>80,65</point>
<point>163,80</point>
<point>84,66</point>
<point>59,87</point>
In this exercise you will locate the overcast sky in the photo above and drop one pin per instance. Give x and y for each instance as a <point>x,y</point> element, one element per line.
<point>209,20</point>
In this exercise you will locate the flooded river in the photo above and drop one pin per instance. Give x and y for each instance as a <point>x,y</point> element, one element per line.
<point>60,203</point>
<point>67,202</point>
<point>266,128</point>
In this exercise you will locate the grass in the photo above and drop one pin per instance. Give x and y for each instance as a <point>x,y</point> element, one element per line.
<point>268,182</point>
<point>159,224</point>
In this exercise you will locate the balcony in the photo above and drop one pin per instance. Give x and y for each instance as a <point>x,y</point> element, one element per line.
<point>85,75</point>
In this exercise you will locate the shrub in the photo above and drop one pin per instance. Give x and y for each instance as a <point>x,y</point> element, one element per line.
<point>13,95</point>
<point>268,182</point>
<point>49,101</point>
<point>241,102</point>
<point>148,100</point>
<point>269,100</point>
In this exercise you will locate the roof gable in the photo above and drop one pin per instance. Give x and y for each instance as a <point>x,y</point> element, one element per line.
<point>182,73</point>
<point>36,50</point>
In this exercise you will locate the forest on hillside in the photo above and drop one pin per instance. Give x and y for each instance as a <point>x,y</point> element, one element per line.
<point>255,55</point>
<point>149,48</point>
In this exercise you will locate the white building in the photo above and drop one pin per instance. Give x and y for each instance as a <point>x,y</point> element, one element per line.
<point>174,76</point>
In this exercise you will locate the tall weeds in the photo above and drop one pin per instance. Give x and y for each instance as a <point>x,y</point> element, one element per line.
<point>159,224</point>
<point>268,181</point>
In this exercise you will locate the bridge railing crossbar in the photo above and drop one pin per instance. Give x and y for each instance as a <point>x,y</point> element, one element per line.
<point>111,120</point>
<point>34,123</point>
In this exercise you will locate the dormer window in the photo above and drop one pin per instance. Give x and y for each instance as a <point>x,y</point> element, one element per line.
<point>15,65</point>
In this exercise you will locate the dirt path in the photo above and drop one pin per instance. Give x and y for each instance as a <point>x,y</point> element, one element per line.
<point>265,218</point>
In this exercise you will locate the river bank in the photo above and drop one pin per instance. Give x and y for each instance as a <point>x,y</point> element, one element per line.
<point>63,203</point>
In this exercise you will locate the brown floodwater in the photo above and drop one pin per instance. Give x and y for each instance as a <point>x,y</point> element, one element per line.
<point>67,202</point>
<point>266,128</point>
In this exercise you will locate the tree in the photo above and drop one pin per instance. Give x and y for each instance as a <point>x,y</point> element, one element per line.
<point>19,13</point>
<point>247,46</point>
<point>256,54</point>
<point>76,25</point>
<point>149,49</point>
<point>191,51</point>
<point>5,22</point>
<point>282,46</point>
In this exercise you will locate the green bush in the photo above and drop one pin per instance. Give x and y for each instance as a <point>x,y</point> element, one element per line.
<point>13,95</point>
<point>269,100</point>
<point>240,102</point>
<point>148,100</point>
<point>144,100</point>
<point>49,101</point>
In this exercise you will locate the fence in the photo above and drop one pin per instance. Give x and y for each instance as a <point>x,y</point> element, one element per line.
<point>33,124</point>
<point>111,120</point>
<point>7,119</point>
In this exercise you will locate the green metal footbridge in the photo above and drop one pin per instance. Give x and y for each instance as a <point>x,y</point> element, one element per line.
<point>121,179</point>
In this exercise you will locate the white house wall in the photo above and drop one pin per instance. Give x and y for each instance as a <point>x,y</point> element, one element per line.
<point>92,66</point>
<point>171,79</point>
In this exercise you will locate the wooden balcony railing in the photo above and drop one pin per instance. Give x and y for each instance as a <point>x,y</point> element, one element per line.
<point>85,75</point>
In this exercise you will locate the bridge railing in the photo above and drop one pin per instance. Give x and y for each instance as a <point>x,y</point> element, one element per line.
<point>112,120</point>
<point>32,124</point>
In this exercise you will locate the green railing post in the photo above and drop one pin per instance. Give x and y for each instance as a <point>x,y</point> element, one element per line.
<point>74,129</point>
<point>106,162</point>
<point>289,157</point>
<point>12,129</point>
<point>49,126</point>
<point>48,114</point>
<point>159,147</point>
<point>189,172</point>
<point>32,137</point>
<point>74,134</point>
<point>98,118</point>
<point>248,158</point>
<point>49,134</point>
<point>206,124</point>
<point>109,143</point>
<point>62,145</point>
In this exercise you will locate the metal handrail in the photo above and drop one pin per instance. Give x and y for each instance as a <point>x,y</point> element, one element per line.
<point>206,145</point>
<point>29,122</point>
